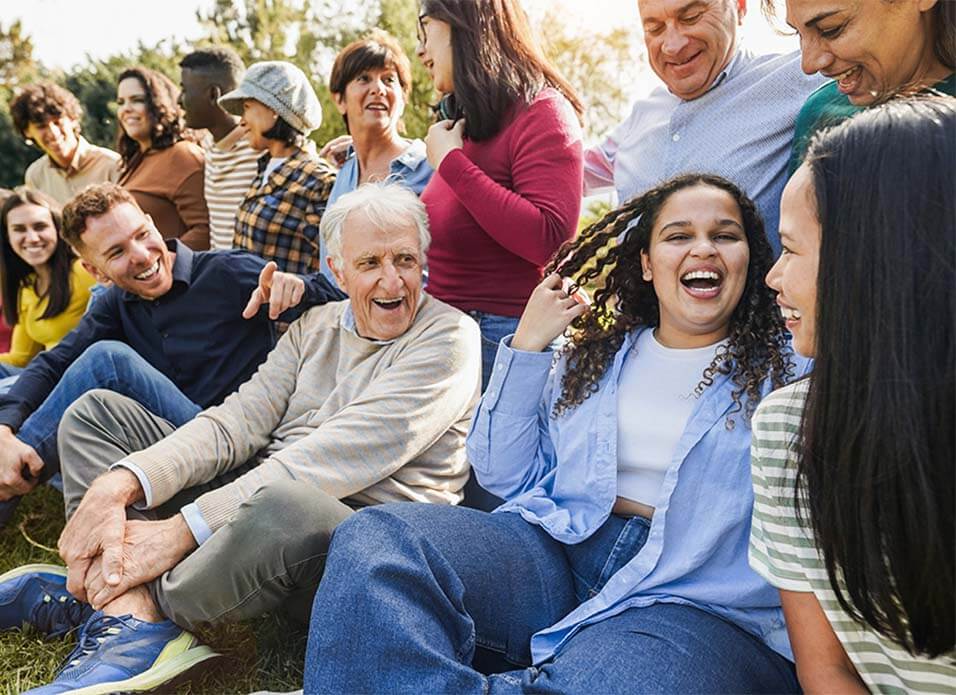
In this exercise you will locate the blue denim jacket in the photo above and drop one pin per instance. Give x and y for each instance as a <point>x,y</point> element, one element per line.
<point>561,474</point>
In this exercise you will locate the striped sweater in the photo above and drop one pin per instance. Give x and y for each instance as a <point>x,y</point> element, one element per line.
<point>785,554</point>
<point>364,420</point>
<point>231,166</point>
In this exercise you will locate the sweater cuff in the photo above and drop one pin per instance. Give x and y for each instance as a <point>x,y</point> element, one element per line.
<point>517,380</point>
<point>218,506</point>
<point>143,482</point>
<point>157,476</point>
<point>196,523</point>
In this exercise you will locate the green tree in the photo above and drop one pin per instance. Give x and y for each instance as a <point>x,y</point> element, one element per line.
<point>17,67</point>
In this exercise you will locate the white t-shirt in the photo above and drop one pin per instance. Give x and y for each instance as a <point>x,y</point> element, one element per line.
<point>655,398</point>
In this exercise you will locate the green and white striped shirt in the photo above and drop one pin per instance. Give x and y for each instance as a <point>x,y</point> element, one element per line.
<point>784,553</point>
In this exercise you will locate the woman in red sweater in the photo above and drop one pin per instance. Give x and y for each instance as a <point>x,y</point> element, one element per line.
<point>507,157</point>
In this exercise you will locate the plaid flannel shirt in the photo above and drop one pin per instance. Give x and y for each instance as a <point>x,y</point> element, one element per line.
<point>279,221</point>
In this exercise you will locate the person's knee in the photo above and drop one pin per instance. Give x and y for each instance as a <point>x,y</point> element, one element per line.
<point>80,414</point>
<point>107,359</point>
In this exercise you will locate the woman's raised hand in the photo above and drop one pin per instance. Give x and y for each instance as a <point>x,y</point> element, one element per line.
<point>549,311</point>
<point>442,138</point>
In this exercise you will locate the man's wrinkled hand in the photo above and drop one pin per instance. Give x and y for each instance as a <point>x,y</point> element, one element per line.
<point>150,548</point>
<point>97,528</point>
<point>20,466</point>
<point>281,291</point>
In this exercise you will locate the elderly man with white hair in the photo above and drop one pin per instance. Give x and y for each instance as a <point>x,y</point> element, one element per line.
<point>362,401</point>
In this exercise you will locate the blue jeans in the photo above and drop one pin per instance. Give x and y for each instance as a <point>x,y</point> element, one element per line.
<point>429,598</point>
<point>8,376</point>
<point>112,365</point>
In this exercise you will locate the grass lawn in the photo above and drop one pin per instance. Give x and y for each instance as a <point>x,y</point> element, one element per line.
<point>265,654</point>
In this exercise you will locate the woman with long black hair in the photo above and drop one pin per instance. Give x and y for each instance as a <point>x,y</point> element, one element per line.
<point>618,563</point>
<point>507,157</point>
<point>853,468</point>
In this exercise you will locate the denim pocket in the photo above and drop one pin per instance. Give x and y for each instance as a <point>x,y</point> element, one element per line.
<point>597,559</point>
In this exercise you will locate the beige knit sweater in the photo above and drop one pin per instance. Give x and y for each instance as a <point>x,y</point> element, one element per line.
<point>362,420</point>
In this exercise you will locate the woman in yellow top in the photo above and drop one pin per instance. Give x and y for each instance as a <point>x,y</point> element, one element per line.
<point>44,288</point>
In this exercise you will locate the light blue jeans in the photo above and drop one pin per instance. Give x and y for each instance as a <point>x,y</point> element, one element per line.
<point>108,364</point>
<point>423,598</point>
<point>8,376</point>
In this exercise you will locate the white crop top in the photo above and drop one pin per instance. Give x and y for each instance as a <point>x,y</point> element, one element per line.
<point>655,398</point>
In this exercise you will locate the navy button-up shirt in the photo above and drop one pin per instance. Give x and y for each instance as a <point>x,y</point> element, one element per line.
<point>194,334</point>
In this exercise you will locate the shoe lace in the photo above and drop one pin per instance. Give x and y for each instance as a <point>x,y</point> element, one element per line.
<point>58,612</point>
<point>95,633</point>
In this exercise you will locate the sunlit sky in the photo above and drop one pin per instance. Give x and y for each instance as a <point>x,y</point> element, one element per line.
<point>65,31</point>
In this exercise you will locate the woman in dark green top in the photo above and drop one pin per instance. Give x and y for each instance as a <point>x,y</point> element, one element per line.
<point>873,50</point>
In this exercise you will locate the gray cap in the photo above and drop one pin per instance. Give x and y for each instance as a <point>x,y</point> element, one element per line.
<point>282,87</point>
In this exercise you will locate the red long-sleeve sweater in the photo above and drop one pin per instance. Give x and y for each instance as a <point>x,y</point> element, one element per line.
<point>498,209</point>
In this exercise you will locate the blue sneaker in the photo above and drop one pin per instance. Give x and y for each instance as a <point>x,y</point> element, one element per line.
<point>123,654</point>
<point>36,595</point>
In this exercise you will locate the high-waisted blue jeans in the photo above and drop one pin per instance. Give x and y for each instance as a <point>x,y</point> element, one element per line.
<point>427,598</point>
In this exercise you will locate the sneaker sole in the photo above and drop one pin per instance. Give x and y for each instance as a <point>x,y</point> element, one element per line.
<point>156,676</point>
<point>54,570</point>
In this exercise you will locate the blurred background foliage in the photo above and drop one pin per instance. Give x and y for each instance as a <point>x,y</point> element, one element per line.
<point>308,33</point>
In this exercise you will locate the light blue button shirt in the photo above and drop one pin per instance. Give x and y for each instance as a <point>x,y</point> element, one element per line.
<point>741,129</point>
<point>411,167</point>
<point>561,474</point>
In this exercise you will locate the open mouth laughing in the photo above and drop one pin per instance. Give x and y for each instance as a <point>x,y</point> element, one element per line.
<point>702,283</point>
<point>149,273</point>
<point>388,303</point>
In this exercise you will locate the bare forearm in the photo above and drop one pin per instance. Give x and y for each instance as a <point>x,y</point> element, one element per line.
<point>828,679</point>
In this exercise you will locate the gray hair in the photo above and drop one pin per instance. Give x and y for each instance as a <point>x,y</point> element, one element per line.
<point>386,204</point>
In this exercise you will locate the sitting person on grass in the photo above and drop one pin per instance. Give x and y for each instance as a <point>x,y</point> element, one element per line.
<point>619,562</point>
<point>362,402</point>
<point>169,333</point>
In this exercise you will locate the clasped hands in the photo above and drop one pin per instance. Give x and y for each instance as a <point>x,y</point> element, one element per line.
<point>107,554</point>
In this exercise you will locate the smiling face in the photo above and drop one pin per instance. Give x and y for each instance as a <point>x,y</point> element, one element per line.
<point>31,234</point>
<point>697,261</point>
<point>434,50</point>
<point>794,275</point>
<point>869,47</point>
<point>689,42</point>
<point>132,110</point>
<point>259,118</point>
<point>57,138</point>
<point>373,100</point>
<point>381,271</point>
<point>124,248</point>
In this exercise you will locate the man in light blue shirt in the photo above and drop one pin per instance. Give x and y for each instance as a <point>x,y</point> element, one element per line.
<point>721,109</point>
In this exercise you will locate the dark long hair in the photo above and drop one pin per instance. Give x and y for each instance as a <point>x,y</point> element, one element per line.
<point>497,62</point>
<point>877,456</point>
<point>165,114</point>
<point>757,343</point>
<point>14,271</point>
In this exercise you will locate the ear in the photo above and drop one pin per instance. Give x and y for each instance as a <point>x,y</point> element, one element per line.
<point>741,11</point>
<point>646,273</point>
<point>336,272</point>
<point>214,93</point>
<point>339,99</point>
<point>926,5</point>
<point>95,272</point>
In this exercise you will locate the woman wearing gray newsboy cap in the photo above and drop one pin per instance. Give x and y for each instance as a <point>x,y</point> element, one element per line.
<point>279,218</point>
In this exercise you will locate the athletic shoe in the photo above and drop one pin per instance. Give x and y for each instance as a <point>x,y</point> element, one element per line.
<point>36,595</point>
<point>123,654</point>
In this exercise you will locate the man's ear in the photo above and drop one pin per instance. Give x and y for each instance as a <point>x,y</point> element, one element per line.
<point>95,272</point>
<point>214,93</point>
<point>336,272</point>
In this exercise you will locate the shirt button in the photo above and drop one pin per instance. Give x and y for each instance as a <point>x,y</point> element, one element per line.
<point>675,137</point>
